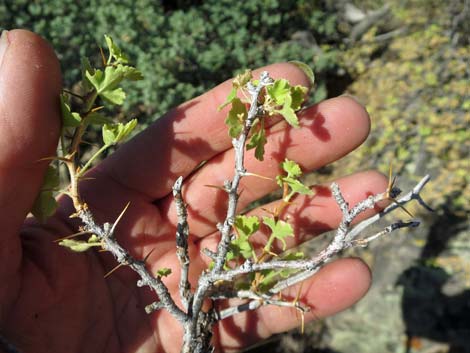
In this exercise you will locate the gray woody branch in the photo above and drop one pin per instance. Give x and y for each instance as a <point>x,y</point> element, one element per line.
<point>345,238</point>
<point>182,234</point>
<point>122,256</point>
<point>206,280</point>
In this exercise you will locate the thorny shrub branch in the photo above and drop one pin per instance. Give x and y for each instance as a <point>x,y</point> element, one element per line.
<point>238,270</point>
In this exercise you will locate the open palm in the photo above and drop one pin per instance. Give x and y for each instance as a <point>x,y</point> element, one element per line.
<point>53,300</point>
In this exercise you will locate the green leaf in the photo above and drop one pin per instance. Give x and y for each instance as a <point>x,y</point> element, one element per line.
<point>93,239</point>
<point>291,168</point>
<point>115,133</point>
<point>86,70</point>
<point>298,255</point>
<point>242,79</point>
<point>280,230</point>
<point>306,69</point>
<point>115,51</point>
<point>270,277</point>
<point>279,91</point>
<point>96,118</point>
<point>297,187</point>
<point>116,96</point>
<point>293,172</point>
<point>51,179</point>
<point>163,272</point>
<point>130,73</point>
<point>288,113</point>
<point>240,247</point>
<point>298,94</point>
<point>238,83</point>
<point>95,78</point>
<point>78,245</point>
<point>106,83</point>
<point>258,141</point>
<point>69,118</point>
<point>231,96</point>
<point>290,98</point>
<point>236,118</point>
<point>245,227</point>
<point>45,204</point>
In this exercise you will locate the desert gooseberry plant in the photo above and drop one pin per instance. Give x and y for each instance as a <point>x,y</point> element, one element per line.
<point>238,269</point>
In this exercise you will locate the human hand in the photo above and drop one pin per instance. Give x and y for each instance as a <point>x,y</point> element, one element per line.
<point>58,301</point>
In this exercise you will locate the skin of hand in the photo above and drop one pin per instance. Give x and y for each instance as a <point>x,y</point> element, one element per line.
<point>53,300</point>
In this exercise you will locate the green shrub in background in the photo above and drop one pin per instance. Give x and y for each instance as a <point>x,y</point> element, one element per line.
<point>186,47</point>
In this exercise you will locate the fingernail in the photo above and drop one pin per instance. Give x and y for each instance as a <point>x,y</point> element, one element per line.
<point>4,42</point>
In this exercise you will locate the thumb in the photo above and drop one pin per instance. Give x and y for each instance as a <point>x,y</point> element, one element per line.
<point>30,84</point>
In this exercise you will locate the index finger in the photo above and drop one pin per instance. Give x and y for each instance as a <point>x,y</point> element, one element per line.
<point>178,142</point>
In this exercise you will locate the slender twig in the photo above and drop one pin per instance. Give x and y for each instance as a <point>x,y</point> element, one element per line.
<point>344,238</point>
<point>122,256</point>
<point>414,194</point>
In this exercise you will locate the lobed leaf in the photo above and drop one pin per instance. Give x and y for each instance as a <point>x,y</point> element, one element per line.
<point>245,226</point>
<point>116,96</point>
<point>106,83</point>
<point>242,79</point>
<point>238,83</point>
<point>95,118</point>
<point>279,91</point>
<point>114,51</point>
<point>293,173</point>
<point>44,206</point>
<point>45,203</point>
<point>236,118</point>
<point>296,186</point>
<point>291,168</point>
<point>69,118</point>
<point>280,230</point>
<point>231,96</point>
<point>288,112</point>
<point>163,272</point>
<point>298,94</point>
<point>86,69</point>
<point>78,245</point>
<point>258,141</point>
<point>115,133</point>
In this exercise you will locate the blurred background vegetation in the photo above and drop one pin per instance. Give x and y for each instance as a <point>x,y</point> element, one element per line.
<point>408,61</point>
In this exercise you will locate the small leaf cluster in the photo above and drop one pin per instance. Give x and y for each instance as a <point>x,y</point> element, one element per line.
<point>290,182</point>
<point>241,247</point>
<point>279,98</point>
<point>107,83</point>
<point>80,111</point>
<point>285,100</point>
